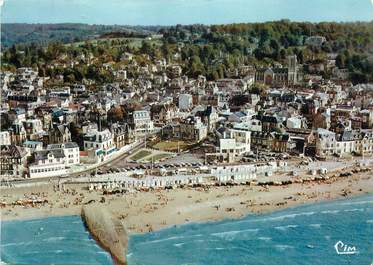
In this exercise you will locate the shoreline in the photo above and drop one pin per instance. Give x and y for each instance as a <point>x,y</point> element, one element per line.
<point>142,212</point>
<point>263,212</point>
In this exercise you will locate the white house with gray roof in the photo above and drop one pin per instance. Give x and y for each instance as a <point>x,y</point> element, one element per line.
<point>48,163</point>
<point>70,150</point>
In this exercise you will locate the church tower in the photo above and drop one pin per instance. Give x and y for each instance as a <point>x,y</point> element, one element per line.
<point>292,70</point>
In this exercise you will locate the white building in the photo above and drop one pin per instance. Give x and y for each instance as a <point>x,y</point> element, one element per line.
<point>101,143</point>
<point>233,143</point>
<point>4,138</point>
<point>32,146</point>
<point>142,123</point>
<point>325,142</point>
<point>252,125</point>
<point>61,92</point>
<point>294,123</point>
<point>70,150</point>
<point>79,89</point>
<point>185,101</point>
<point>48,163</point>
<point>34,128</point>
<point>315,40</point>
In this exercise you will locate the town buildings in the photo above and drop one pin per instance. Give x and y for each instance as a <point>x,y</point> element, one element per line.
<point>51,127</point>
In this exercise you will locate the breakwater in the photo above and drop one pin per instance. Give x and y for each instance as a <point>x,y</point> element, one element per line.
<point>108,231</point>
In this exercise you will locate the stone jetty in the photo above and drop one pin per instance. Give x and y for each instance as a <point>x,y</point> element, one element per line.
<point>107,230</point>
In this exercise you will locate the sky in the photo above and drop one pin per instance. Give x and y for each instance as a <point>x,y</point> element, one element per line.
<point>171,12</point>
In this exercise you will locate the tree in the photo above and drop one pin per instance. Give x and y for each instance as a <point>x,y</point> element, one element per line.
<point>115,114</point>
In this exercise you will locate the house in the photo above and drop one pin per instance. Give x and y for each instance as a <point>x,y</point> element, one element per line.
<point>100,144</point>
<point>315,41</point>
<point>185,101</point>
<point>209,116</point>
<point>5,138</point>
<point>364,145</point>
<point>174,71</point>
<point>262,140</point>
<point>269,123</point>
<point>32,146</point>
<point>239,116</point>
<point>193,129</point>
<point>17,133</point>
<point>233,143</point>
<point>223,99</point>
<point>294,123</point>
<point>17,114</point>
<point>48,163</point>
<point>13,161</point>
<point>142,123</point>
<point>171,131</point>
<point>70,150</point>
<point>34,128</point>
<point>252,125</point>
<point>123,134</point>
<point>79,89</point>
<point>163,113</point>
<point>280,142</point>
<point>57,134</point>
<point>325,142</point>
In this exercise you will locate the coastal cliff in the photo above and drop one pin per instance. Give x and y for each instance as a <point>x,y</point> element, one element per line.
<point>108,231</point>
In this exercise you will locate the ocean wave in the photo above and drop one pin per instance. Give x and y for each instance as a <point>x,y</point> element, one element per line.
<point>355,210</point>
<point>283,228</point>
<point>18,244</point>
<point>265,238</point>
<point>216,248</point>
<point>75,232</point>
<point>234,232</point>
<point>278,218</point>
<point>356,203</point>
<point>315,225</point>
<point>162,240</point>
<point>283,247</point>
<point>43,252</point>
<point>370,221</point>
<point>53,239</point>
<point>330,211</point>
<point>107,253</point>
<point>178,245</point>
<point>32,252</point>
<point>288,216</point>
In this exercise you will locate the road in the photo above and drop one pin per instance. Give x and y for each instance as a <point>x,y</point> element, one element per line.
<point>50,179</point>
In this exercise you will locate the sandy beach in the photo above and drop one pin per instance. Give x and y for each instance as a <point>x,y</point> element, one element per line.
<point>152,210</point>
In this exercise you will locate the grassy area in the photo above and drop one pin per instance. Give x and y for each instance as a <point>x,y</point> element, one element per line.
<point>140,155</point>
<point>172,146</point>
<point>157,157</point>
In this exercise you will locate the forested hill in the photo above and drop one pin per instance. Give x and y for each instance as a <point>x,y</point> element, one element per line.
<point>213,51</point>
<point>19,33</point>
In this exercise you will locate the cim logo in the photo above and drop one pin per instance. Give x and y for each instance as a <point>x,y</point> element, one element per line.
<point>344,249</point>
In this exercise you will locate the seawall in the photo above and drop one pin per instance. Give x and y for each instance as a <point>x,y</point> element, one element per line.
<point>108,231</point>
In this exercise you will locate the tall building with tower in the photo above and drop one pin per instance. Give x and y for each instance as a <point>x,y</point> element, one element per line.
<point>279,76</point>
<point>292,70</point>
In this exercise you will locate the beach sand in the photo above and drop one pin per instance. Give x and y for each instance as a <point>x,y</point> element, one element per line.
<point>153,210</point>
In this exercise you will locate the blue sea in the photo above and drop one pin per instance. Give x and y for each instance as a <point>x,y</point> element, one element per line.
<point>302,235</point>
<point>56,240</point>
